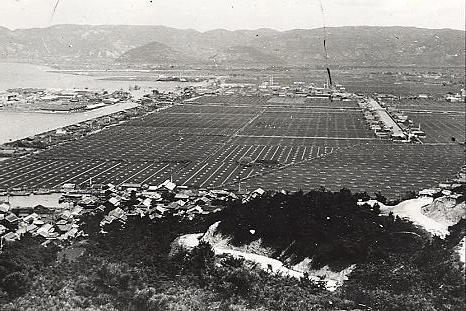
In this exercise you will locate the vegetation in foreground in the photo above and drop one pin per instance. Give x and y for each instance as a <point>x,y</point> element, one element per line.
<point>398,266</point>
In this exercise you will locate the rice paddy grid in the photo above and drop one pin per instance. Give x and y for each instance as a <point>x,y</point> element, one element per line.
<point>321,124</point>
<point>223,166</point>
<point>188,108</point>
<point>440,127</point>
<point>298,141</point>
<point>390,168</point>
<point>82,172</point>
<point>203,120</point>
<point>274,101</point>
<point>137,145</point>
<point>57,171</point>
<point>223,170</point>
<point>14,164</point>
<point>227,99</point>
<point>15,171</point>
<point>384,86</point>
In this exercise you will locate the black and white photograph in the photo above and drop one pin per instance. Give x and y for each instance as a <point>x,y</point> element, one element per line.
<point>232,155</point>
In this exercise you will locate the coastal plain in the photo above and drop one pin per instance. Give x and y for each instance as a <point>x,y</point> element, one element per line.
<point>291,143</point>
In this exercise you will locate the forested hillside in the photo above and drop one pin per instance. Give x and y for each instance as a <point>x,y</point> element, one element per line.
<point>128,267</point>
<point>86,45</point>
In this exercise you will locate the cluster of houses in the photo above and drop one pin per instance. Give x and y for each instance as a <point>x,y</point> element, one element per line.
<point>43,223</point>
<point>388,122</point>
<point>50,138</point>
<point>115,204</point>
<point>69,133</point>
<point>376,121</point>
<point>405,123</point>
<point>157,201</point>
<point>60,100</point>
<point>449,97</point>
<point>160,99</point>
<point>271,88</point>
<point>456,97</point>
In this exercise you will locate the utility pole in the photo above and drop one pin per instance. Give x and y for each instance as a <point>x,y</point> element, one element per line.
<point>239,182</point>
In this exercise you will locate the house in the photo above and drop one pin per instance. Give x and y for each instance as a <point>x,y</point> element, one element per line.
<point>87,200</point>
<point>152,194</point>
<point>4,207</point>
<point>181,196</point>
<point>32,228</point>
<point>256,193</point>
<point>138,211</point>
<point>11,237</point>
<point>131,186</point>
<point>167,184</point>
<point>76,211</point>
<point>100,208</point>
<point>61,222</point>
<point>259,191</point>
<point>38,222</point>
<point>445,186</point>
<point>147,202</point>
<point>21,229</point>
<point>107,220</point>
<point>196,210</point>
<point>68,186</point>
<point>173,205</point>
<point>60,131</point>
<point>46,243</point>
<point>65,214</point>
<point>154,215</point>
<point>152,188</point>
<point>428,192</point>
<point>45,230</point>
<point>53,235</point>
<point>160,209</point>
<point>181,202</point>
<point>202,201</point>
<point>446,192</point>
<point>117,212</point>
<point>456,196</point>
<point>11,218</point>
<point>115,201</point>
<point>220,193</point>
<point>30,218</point>
<point>71,233</point>
<point>64,227</point>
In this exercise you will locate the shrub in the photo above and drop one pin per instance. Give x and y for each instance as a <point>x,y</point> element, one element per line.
<point>15,284</point>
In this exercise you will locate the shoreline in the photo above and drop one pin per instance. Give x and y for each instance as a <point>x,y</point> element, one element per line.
<point>21,123</point>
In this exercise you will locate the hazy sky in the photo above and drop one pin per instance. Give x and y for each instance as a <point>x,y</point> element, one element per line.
<point>234,14</point>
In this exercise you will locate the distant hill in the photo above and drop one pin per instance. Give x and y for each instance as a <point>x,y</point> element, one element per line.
<point>369,46</point>
<point>91,45</point>
<point>245,56</point>
<point>155,53</point>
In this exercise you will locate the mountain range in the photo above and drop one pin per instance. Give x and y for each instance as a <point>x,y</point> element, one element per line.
<point>128,46</point>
